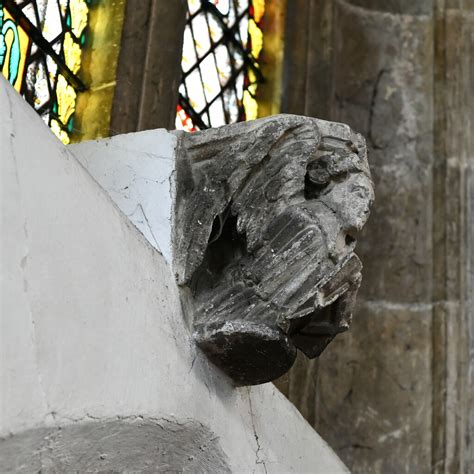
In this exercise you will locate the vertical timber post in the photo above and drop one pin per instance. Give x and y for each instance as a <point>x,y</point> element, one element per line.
<point>149,67</point>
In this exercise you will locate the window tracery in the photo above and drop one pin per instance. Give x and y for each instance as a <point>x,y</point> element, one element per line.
<point>220,64</point>
<point>41,43</point>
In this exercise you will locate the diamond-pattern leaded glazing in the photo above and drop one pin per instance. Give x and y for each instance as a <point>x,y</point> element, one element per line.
<point>221,48</point>
<point>43,41</point>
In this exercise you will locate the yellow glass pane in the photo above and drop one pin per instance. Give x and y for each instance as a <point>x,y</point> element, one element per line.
<point>57,130</point>
<point>79,11</point>
<point>66,99</point>
<point>17,44</point>
<point>250,106</point>
<point>256,36</point>
<point>72,53</point>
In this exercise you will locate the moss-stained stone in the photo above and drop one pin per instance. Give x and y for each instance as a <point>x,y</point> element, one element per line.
<point>98,71</point>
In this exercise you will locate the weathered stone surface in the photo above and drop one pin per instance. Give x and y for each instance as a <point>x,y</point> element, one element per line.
<point>387,94</point>
<point>402,73</point>
<point>266,218</point>
<point>410,7</point>
<point>369,404</point>
<point>126,445</point>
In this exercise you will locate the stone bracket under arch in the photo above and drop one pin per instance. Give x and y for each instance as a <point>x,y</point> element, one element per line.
<point>265,224</point>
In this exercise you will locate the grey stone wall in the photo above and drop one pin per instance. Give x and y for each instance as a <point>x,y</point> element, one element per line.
<point>394,394</point>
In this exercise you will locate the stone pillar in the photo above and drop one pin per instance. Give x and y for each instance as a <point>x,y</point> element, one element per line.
<point>453,235</point>
<point>395,393</point>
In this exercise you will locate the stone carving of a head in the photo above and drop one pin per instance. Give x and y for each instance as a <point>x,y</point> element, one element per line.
<point>267,217</point>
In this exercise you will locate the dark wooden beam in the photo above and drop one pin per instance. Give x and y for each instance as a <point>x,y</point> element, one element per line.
<point>149,68</point>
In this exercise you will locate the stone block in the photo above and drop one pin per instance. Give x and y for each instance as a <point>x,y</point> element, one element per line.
<point>375,390</point>
<point>383,84</point>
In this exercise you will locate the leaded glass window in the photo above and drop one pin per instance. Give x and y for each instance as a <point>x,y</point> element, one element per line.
<point>41,43</point>
<point>220,64</point>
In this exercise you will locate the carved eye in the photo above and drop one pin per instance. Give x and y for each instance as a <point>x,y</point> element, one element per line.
<point>360,191</point>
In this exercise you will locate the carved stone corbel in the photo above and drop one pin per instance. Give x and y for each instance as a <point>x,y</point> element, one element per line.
<point>266,218</point>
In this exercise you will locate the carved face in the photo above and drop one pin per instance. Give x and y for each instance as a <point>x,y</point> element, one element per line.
<point>269,262</point>
<point>351,200</point>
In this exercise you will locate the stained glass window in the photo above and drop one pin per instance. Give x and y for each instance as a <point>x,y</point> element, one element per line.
<point>40,54</point>
<point>220,64</point>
